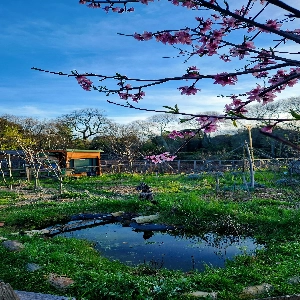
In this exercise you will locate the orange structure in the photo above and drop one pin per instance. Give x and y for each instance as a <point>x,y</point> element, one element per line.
<point>76,161</point>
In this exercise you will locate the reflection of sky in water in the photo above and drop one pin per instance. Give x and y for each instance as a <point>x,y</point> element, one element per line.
<point>181,253</point>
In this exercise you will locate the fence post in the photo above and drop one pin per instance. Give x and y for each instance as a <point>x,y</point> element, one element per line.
<point>178,166</point>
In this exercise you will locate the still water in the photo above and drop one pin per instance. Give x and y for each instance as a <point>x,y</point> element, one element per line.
<point>163,249</point>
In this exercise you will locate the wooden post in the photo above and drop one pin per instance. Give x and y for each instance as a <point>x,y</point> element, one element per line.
<point>178,166</point>
<point>10,171</point>
<point>250,165</point>
<point>7,293</point>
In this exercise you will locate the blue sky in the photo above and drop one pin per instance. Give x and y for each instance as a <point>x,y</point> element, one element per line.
<point>61,35</point>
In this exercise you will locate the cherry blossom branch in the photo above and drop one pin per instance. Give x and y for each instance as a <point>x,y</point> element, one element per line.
<point>295,12</point>
<point>250,21</point>
<point>166,79</point>
<point>221,117</point>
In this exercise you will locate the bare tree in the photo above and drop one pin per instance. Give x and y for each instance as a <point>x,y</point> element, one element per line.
<point>124,141</point>
<point>86,123</point>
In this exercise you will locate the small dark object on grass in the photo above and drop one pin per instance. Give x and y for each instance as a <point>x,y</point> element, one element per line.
<point>145,192</point>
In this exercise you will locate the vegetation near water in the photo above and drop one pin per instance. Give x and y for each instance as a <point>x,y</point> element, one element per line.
<point>269,213</point>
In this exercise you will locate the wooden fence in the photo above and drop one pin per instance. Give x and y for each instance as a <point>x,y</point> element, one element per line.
<point>174,167</point>
<point>194,166</point>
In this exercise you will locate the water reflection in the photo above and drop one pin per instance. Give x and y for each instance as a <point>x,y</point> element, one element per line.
<point>164,248</point>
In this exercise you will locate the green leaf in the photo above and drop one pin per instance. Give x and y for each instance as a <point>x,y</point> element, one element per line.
<point>295,115</point>
<point>234,123</point>
<point>183,120</point>
<point>174,110</point>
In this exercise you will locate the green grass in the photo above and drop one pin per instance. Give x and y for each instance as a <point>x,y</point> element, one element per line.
<point>268,214</point>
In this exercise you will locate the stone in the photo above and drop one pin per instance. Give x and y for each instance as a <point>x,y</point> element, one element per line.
<point>7,293</point>
<point>31,267</point>
<point>37,232</point>
<point>13,245</point>
<point>206,295</point>
<point>59,281</point>
<point>252,291</point>
<point>294,280</point>
<point>146,219</point>
<point>117,213</point>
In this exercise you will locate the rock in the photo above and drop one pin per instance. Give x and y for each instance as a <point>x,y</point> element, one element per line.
<point>37,232</point>
<point>294,280</point>
<point>7,293</point>
<point>117,214</point>
<point>145,219</point>
<point>39,296</point>
<point>31,267</point>
<point>199,294</point>
<point>252,291</point>
<point>60,282</point>
<point>13,245</point>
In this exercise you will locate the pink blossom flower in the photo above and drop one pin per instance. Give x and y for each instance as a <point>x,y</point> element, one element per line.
<point>146,36</point>
<point>124,96</point>
<point>217,35</point>
<point>188,90</point>
<point>225,57</point>
<point>206,25</point>
<point>138,96</point>
<point>94,5</point>
<point>224,79</point>
<point>175,134</point>
<point>138,36</point>
<point>192,72</point>
<point>209,124</point>
<point>272,24</point>
<point>84,82</point>
<point>183,37</point>
<point>268,97</point>
<point>160,158</point>
<point>230,22</point>
<point>188,4</point>
<point>267,129</point>
<point>145,1</point>
<point>254,94</point>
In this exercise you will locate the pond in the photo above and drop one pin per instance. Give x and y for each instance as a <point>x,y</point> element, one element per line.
<point>164,249</point>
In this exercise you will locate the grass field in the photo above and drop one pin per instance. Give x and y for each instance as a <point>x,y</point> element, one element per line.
<point>202,203</point>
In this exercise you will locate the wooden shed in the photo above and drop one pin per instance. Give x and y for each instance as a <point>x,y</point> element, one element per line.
<point>76,161</point>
